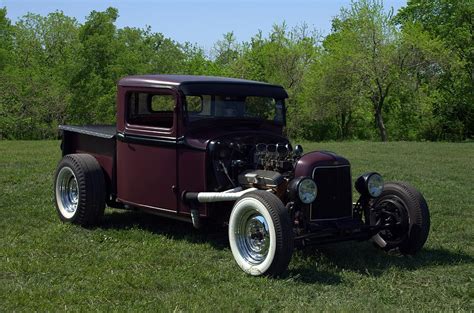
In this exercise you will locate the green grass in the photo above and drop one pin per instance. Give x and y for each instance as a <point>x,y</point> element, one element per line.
<point>142,262</point>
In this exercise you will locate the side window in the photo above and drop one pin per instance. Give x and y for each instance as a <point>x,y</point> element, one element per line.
<point>148,109</point>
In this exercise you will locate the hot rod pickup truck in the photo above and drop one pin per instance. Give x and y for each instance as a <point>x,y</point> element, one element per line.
<point>211,150</point>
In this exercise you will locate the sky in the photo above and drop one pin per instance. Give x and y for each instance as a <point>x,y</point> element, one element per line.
<point>202,22</point>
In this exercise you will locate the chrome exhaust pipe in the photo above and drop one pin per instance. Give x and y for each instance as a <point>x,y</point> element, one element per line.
<point>228,195</point>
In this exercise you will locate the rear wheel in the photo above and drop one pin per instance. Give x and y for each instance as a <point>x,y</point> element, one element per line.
<point>403,207</point>
<point>260,234</point>
<point>79,190</point>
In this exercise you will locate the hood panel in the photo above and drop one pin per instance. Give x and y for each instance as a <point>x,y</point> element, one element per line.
<point>307,162</point>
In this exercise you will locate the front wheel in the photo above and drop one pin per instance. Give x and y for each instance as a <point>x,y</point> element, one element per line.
<point>405,209</point>
<point>260,234</point>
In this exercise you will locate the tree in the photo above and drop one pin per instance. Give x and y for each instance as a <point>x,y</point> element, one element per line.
<point>144,52</point>
<point>281,58</point>
<point>451,22</point>
<point>93,85</point>
<point>368,66</point>
<point>370,77</point>
<point>226,51</point>
<point>372,38</point>
<point>332,91</point>
<point>6,38</point>
<point>421,60</point>
<point>35,82</point>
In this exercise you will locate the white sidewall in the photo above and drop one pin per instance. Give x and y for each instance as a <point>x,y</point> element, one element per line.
<point>243,205</point>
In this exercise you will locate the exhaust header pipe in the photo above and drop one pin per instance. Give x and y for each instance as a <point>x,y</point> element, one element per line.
<point>204,197</point>
<point>228,195</point>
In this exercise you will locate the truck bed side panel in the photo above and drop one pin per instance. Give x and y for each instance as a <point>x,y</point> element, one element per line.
<point>103,149</point>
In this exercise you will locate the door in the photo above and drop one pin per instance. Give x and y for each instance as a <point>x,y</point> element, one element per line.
<point>147,150</point>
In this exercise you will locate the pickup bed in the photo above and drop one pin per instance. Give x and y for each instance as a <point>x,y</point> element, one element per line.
<point>96,140</point>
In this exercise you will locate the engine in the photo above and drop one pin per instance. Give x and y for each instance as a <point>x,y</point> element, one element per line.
<point>264,163</point>
<point>272,164</point>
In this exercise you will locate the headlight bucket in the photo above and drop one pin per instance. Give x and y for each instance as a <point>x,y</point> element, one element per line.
<point>370,184</point>
<point>303,189</point>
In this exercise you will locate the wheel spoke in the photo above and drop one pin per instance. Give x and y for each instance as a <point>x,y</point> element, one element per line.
<point>393,213</point>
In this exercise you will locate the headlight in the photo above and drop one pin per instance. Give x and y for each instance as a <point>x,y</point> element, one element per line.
<point>307,190</point>
<point>370,184</point>
<point>303,188</point>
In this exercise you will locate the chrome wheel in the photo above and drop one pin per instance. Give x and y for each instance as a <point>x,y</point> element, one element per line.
<point>67,192</point>
<point>252,236</point>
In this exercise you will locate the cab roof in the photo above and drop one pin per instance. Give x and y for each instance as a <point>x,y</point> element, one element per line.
<point>206,85</point>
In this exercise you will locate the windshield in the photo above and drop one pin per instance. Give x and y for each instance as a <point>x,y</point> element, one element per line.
<point>249,107</point>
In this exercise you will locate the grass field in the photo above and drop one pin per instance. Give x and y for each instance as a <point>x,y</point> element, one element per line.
<point>145,263</point>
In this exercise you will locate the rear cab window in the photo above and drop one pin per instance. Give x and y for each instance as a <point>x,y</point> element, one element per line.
<point>151,109</point>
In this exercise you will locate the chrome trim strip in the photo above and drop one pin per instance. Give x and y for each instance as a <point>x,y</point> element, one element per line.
<point>328,166</point>
<point>144,206</point>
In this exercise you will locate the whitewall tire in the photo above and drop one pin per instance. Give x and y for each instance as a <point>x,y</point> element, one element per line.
<point>260,234</point>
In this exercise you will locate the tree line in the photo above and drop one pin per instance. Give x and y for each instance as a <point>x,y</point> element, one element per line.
<point>376,76</point>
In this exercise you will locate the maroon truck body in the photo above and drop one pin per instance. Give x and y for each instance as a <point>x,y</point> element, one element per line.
<point>150,167</point>
<point>200,148</point>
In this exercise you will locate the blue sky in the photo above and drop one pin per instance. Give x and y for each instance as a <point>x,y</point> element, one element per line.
<point>202,22</point>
